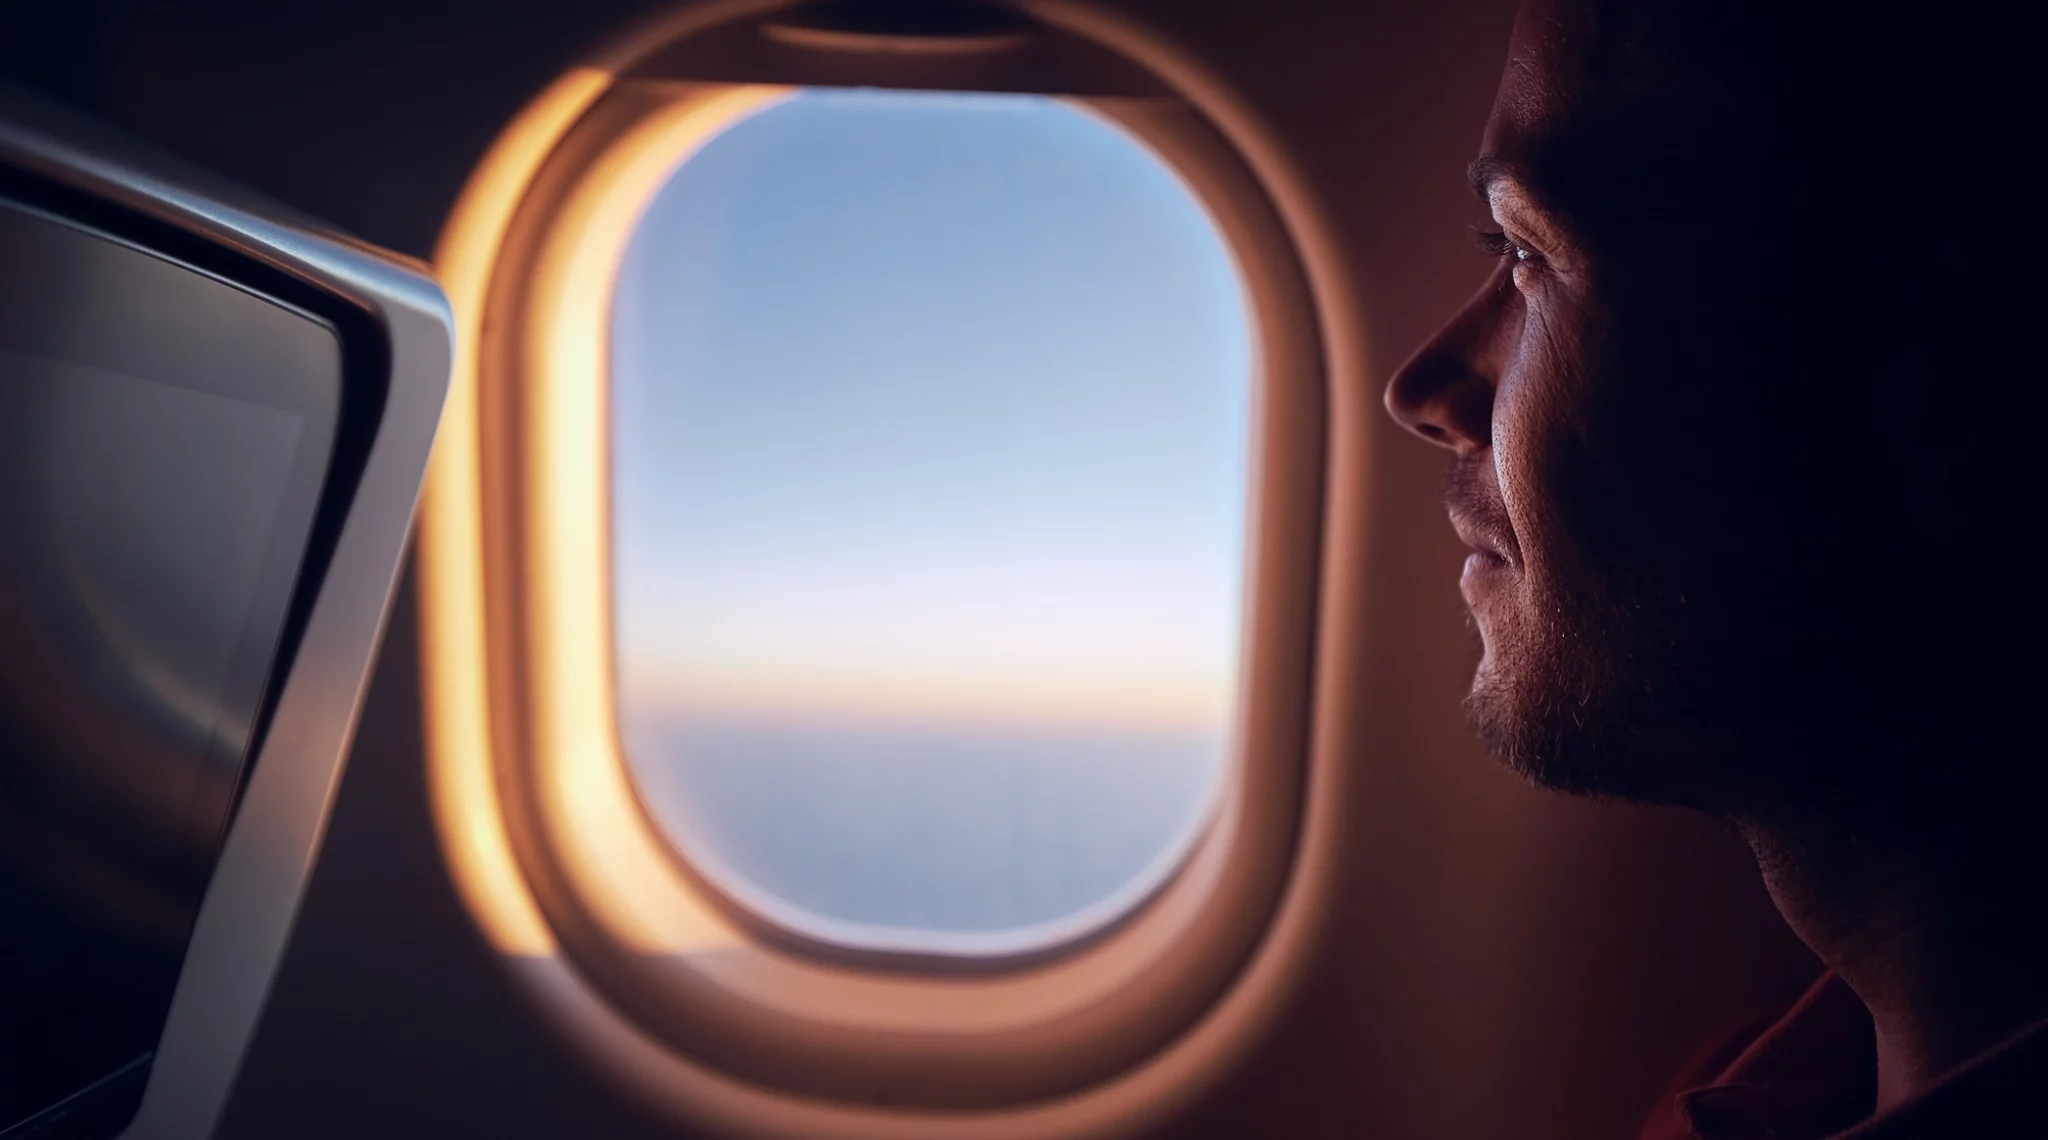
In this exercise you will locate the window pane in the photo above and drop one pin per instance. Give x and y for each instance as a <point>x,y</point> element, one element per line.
<point>931,419</point>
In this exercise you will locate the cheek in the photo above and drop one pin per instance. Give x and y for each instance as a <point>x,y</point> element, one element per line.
<point>1539,442</point>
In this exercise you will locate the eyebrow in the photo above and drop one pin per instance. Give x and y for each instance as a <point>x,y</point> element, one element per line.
<point>1490,168</point>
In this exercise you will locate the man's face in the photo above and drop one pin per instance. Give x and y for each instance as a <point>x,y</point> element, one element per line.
<point>1618,470</point>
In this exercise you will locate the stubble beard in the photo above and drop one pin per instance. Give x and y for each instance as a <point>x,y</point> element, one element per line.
<point>1584,694</point>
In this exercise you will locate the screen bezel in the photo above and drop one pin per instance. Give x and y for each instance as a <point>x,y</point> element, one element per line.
<point>149,352</point>
<point>397,348</point>
<point>365,368</point>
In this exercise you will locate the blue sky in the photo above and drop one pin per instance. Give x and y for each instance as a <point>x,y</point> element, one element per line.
<point>930,407</point>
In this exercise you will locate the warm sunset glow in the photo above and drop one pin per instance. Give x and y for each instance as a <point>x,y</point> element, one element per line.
<point>620,865</point>
<point>450,536</point>
<point>1019,691</point>
<point>621,868</point>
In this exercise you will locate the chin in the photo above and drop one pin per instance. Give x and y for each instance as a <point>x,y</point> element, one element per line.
<point>1499,717</point>
<point>1556,727</point>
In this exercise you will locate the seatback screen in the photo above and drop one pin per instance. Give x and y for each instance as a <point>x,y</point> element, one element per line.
<point>164,438</point>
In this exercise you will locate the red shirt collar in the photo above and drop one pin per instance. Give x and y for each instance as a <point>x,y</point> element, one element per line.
<point>1813,1075</point>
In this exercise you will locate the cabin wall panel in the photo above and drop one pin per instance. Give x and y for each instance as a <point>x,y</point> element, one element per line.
<point>1498,962</point>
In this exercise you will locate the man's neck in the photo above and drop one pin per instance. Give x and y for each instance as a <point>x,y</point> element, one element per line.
<point>1945,954</point>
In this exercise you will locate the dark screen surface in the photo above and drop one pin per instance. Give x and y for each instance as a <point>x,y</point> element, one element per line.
<point>164,437</point>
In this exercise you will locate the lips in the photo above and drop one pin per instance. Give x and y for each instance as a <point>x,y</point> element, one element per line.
<point>1483,537</point>
<point>1481,578</point>
<point>1472,499</point>
<point>1489,558</point>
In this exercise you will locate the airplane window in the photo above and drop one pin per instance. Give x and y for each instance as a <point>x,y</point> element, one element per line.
<point>930,464</point>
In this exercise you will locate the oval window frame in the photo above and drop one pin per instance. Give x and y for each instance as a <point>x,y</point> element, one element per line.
<point>726,1018</point>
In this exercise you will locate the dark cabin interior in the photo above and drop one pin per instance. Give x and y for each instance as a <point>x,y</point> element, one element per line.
<point>1494,961</point>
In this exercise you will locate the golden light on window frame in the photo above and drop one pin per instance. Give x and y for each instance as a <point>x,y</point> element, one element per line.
<point>696,1008</point>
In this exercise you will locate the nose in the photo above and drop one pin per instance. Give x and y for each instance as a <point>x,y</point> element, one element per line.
<point>1444,393</point>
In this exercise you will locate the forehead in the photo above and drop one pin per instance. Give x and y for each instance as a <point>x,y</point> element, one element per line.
<point>1547,76</point>
<point>1615,115</point>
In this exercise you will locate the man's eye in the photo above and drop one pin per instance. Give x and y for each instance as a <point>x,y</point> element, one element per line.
<point>1497,243</point>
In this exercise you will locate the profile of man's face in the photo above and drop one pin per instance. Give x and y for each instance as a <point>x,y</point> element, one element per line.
<point>1628,473</point>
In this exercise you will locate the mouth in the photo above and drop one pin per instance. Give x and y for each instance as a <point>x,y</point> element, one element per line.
<point>1480,537</point>
<point>1487,560</point>
<point>1481,568</point>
